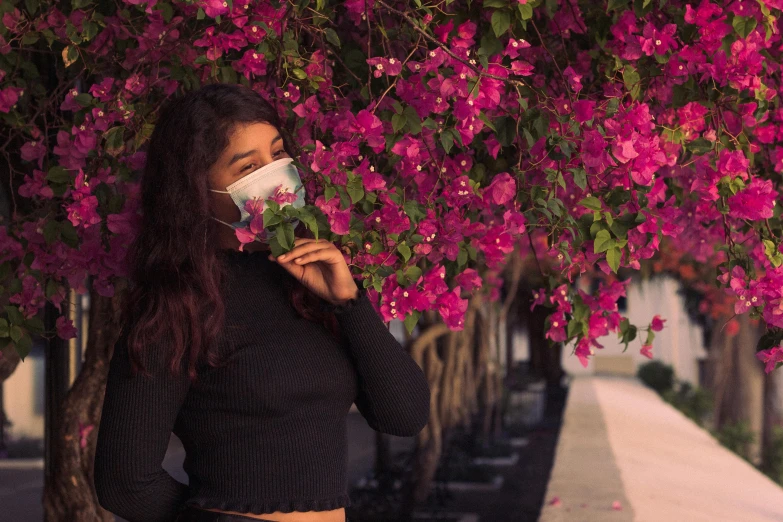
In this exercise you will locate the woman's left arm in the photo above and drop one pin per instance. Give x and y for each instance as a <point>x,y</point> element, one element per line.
<point>393,394</point>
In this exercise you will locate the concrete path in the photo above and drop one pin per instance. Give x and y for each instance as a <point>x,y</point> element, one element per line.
<point>622,445</point>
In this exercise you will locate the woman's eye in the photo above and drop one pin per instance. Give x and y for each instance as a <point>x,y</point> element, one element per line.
<point>246,167</point>
<point>278,153</point>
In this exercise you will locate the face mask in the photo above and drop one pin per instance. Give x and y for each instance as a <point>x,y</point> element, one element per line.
<point>261,184</point>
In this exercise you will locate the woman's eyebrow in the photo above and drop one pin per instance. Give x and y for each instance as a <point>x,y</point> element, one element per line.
<point>239,155</point>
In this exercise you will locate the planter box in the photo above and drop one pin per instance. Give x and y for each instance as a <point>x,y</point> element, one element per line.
<point>497,483</point>
<point>497,461</point>
<point>526,408</point>
<point>21,463</point>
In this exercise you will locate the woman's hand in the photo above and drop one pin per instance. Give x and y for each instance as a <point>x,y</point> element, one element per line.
<point>320,266</point>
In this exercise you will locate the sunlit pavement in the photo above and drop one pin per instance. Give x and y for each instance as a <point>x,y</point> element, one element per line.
<point>626,455</point>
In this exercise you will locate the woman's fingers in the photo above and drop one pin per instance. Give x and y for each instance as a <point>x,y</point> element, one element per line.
<point>304,247</point>
<point>317,255</point>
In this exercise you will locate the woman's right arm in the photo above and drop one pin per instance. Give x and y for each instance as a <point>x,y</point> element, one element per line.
<point>138,415</point>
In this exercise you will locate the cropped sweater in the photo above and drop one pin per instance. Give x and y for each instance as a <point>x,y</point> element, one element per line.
<point>267,431</point>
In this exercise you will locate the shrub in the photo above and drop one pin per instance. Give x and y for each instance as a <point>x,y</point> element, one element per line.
<point>694,402</point>
<point>737,437</point>
<point>657,375</point>
<point>773,459</point>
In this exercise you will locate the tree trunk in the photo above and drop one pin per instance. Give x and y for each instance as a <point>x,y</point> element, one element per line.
<point>739,381</point>
<point>773,414</point>
<point>69,493</point>
<point>423,350</point>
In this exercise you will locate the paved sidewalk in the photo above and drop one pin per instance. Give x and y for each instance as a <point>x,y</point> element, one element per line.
<point>621,443</point>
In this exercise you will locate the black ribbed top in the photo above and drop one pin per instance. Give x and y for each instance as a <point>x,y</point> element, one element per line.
<point>266,432</point>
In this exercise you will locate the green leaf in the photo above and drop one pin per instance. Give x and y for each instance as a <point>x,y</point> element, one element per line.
<point>115,138</point>
<point>14,315</point>
<point>84,99</point>
<point>613,258</point>
<point>4,330</point>
<point>506,130</point>
<point>632,81</point>
<point>447,140</point>
<point>413,273</point>
<point>398,122</point>
<point>51,288</point>
<point>500,21</point>
<point>58,174</point>
<point>331,37</point>
<point>355,189</point>
<point>591,202</point>
<point>414,122</point>
<point>411,320</point>
<point>773,253</point>
<point>51,231</point>
<point>699,146</point>
<point>580,178</point>
<point>309,220</point>
<point>403,249</point>
<point>617,4</point>
<point>299,73</point>
<point>603,242</point>
<point>525,11</point>
<point>16,333</point>
<point>770,339</point>
<point>68,233</point>
<point>744,25</point>
<point>23,346</point>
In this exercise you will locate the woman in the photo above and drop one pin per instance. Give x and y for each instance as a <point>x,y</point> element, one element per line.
<point>252,361</point>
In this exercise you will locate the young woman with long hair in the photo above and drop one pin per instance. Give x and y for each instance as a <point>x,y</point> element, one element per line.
<point>252,361</point>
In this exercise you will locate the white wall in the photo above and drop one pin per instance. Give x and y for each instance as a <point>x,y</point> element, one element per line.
<point>20,391</point>
<point>678,344</point>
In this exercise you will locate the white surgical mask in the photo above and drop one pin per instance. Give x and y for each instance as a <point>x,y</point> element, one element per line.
<point>261,184</point>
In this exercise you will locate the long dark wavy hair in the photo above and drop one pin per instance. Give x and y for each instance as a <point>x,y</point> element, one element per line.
<point>174,302</point>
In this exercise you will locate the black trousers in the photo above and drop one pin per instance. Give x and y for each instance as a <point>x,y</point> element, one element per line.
<point>194,514</point>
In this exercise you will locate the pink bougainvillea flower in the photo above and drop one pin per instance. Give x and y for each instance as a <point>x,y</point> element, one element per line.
<point>555,502</point>
<point>502,189</point>
<point>657,323</point>
<point>646,351</point>
<point>65,328</point>
<point>574,79</point>
<point>771,358</point>
<point>732,328</point>
<point>339,220</point>
<point>755,202</point>
<point>84,432</point>
<point>539,298</point>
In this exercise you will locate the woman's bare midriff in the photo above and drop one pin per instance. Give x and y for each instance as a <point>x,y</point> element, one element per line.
<point>333,515</point>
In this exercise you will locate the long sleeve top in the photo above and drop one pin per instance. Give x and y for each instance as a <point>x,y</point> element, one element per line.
<point>265,432</point>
